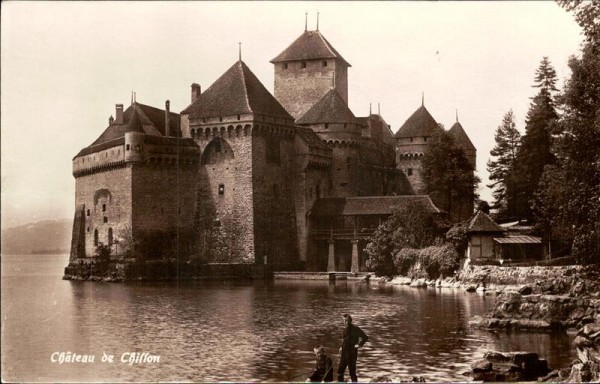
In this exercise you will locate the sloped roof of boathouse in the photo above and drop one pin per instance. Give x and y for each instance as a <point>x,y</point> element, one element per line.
<point>369,205</point>
<point>237,91</point>
<point>482,222</point>
<point>311,45</point>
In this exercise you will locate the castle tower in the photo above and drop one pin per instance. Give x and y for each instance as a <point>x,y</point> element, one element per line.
<point>461,139</point>
<point>332,120</point>
<point>244,205</point>
<point>305,72</point>
<point>411,143</point>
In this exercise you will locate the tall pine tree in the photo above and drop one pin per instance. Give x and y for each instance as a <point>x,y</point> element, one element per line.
<point>570,202</point>
<point>449,177</point>
<point>535,151</point>
<point>502,167</point>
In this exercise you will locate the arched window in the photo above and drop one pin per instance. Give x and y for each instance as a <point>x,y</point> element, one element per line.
<point>110,237</point>
<point>96,237</point>
<point>103,207</point>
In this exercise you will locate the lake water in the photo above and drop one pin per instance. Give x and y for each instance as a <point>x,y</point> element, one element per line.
<point>227,331</point>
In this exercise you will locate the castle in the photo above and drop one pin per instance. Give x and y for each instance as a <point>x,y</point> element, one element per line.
<point>292,180</point>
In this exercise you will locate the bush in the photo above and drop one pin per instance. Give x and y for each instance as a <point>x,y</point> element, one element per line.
<point>431,262</point>
<point>103,251</point>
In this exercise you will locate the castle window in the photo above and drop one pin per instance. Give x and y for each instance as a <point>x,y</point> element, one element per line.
<point>324,63</point>
<point>221,189</point>
<point>221,118</point>
<point>103,207</point>
<point>88,229</point>
<point>273,151</point>
<point>217,223</point>
<point>88,212</point>
<point>285,65</point>
<point>105,219</point>
<point>110,237</point>
<point>326,126</point>
<point>96,237</point>
<point>303,64</point>
<point>238,116</point>
<point>410,171</point>
<point>425,138</point>
<point>127,147</point>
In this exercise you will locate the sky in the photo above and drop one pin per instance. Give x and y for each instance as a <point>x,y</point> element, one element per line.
<point>64,66</point>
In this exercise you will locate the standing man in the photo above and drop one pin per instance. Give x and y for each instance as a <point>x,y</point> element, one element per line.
<point>353,339</point>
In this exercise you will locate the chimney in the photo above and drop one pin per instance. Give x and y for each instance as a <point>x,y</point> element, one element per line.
<point>119,114</point>
<point>167,118</point>
<point>195,92</point>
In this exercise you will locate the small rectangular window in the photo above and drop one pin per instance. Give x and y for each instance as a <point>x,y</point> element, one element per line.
<point>285,65</point>
<point>303,64</point>
<point>324,63</point>
<point>326,126</point>
<point>410,171</point>
<point>221,189</point>
<point>127,147</point>
<point>105,219</point>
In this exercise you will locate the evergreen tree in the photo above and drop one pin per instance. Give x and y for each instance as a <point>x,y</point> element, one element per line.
<point>569,203</point>
<point>502,168</point>
<point>535,150</point>
<point>449,177</point>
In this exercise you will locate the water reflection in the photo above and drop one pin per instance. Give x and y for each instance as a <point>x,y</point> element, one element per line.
<point>256,331</point>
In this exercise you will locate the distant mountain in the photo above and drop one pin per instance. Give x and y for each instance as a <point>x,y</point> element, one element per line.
<point>48,236</point>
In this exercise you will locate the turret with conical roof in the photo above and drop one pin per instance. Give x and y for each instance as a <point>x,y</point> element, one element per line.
<point>461,139</point>
<point>411,143</point>
<point>306,70</point>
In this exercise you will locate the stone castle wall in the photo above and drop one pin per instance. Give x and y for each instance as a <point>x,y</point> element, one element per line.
<point>273,192</point>
<point>110,188</point>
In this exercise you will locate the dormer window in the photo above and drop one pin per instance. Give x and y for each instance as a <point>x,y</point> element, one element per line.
<point>303,64</point>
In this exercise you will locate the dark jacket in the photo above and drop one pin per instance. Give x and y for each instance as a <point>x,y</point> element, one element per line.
<point>351,337</point>
<point>324,369</point>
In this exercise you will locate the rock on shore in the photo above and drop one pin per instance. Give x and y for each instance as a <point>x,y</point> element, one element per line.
<point>513,366</point>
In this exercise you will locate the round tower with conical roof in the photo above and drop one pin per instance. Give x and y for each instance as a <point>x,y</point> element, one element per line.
<point>412,140</point>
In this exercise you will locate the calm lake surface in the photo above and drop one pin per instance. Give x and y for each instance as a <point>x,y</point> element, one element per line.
<point>226,331</point>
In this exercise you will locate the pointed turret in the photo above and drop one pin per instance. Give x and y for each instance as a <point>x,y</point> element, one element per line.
<point>330,109</point>
<point>461,139</point>
<point>237,91</point>
<point>419,124</point>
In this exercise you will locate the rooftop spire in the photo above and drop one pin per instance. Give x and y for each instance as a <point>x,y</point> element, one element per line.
<point>370,109</point>
<point>317,21</point>
<point>457,115</point>
<point>305,21</point>
<point>131,98</point>
<point>240,50</point>
<point>378,109</point>
<point>422,99</point>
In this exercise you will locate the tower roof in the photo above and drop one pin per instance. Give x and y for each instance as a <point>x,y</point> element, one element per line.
<point>420,123</point>
<point>309,46</point>
<point>330,109</point>
<point>460,137</point>
<point>146,119</point>
<point>237,91</point>
<point>481,222</point>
